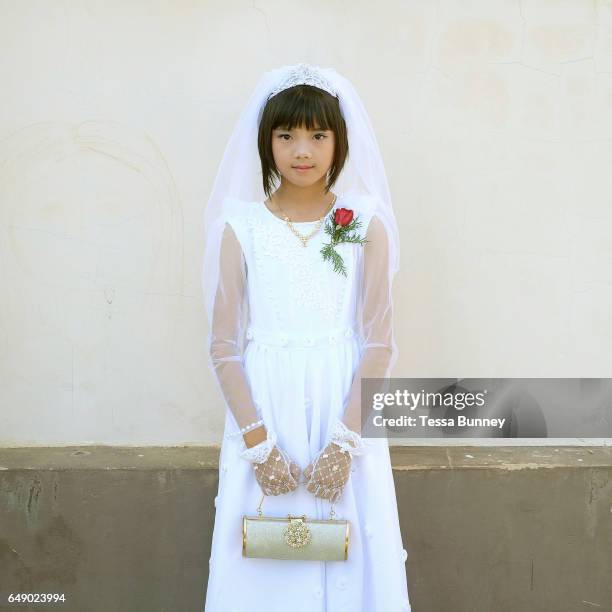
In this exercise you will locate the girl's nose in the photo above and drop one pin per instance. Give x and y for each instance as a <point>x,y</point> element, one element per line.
<point>302,150</point>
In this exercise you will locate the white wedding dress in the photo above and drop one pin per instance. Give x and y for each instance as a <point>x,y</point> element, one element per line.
<point>311,334</point>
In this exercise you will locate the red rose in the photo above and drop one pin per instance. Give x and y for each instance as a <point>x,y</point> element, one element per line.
<point>343,216</point>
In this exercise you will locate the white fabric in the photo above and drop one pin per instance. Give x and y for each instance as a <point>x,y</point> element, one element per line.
<point>311,334</point>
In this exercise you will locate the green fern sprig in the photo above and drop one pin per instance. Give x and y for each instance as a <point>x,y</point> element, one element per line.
<point>329,252</point>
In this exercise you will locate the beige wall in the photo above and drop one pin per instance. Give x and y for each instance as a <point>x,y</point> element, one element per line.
<point>495,125</point>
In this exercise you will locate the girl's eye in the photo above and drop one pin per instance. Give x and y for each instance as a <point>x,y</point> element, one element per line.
<point>324,136</point>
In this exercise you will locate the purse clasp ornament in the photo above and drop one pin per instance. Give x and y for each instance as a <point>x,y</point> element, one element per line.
<point>297,533</point>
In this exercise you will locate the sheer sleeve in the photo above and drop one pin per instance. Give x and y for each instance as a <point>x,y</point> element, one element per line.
<point>230,305</point>
<point>376,320</point>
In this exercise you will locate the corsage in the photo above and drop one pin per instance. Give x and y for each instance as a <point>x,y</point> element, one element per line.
<point>339,226</point>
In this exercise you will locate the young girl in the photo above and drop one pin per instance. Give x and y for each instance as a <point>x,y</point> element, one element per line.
<point>301,250</point>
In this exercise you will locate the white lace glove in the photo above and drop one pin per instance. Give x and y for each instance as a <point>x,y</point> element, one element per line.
<point>329,471</point>
<point>275,472</point>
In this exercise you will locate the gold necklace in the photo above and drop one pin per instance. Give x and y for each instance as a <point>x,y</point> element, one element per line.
<point>305,239</point>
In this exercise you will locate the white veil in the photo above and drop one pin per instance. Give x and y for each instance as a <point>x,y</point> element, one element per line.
<point>239,178</point>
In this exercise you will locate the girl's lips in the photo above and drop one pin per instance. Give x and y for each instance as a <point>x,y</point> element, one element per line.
<point>302,168</point>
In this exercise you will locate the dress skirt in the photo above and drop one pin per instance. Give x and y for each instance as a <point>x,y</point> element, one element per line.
<point>299,390</point>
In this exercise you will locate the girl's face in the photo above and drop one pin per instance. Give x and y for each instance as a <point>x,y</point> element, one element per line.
<point>311,149</point>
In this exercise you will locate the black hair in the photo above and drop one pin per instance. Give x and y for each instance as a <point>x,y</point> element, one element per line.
<point>295,106</point>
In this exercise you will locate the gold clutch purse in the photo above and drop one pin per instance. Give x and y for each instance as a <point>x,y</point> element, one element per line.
<point>295,537</point>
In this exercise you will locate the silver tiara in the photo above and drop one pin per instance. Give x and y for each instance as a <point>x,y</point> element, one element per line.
<point>304,74</point>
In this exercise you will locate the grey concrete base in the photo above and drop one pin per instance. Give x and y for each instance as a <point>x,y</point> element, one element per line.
<point>486,529</point>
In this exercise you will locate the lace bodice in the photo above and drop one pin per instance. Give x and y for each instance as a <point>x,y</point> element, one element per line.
<point>297,290</point>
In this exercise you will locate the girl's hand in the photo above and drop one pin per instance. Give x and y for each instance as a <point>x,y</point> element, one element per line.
<point>278,474</point>
<point>328,472</point>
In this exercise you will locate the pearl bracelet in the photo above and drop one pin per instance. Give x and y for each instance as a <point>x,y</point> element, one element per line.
<point>248,427</point>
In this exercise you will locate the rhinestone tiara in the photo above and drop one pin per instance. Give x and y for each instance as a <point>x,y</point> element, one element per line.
<point>304,74</point>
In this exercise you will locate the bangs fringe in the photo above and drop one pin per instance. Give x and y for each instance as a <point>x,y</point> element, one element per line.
<point>300,107</point>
